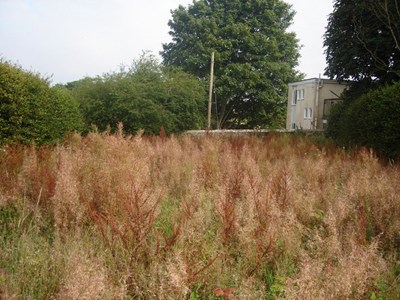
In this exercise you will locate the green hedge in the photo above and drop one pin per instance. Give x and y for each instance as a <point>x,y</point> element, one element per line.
<point>371,120</point>
<point>32,111</point>
<point>144,96</point>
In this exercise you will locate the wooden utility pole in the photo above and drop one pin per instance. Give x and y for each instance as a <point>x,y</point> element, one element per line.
<point>211,91</point>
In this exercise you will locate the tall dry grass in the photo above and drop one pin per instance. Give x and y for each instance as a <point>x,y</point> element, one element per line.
<point>199,218</point>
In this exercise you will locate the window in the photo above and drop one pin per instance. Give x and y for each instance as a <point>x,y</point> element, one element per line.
<point>294,97</point>
<point>328,104</point>
<point>297,95</point>
<point>308,113</point>
<point>300,94</point>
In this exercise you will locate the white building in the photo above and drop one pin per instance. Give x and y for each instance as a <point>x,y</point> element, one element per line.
<point>309,102</point>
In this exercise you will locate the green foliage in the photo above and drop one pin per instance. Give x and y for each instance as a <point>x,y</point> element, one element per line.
<point>164,221</point>
<point>389,285</point>
<point>32,111</point>
<point>144,96</point>
<point>362,44</point>
<point>255,56</point>
<point>362,40</point>
<point>8,214</point>
<point>193,296</point>
<point>371,120</point>
<point>29,266</point>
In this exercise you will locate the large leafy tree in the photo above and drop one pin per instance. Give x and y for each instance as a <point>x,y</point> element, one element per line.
<point>362,40</point>
<point>255,55</point>
<point>31,110</point>
<point>362,44</point>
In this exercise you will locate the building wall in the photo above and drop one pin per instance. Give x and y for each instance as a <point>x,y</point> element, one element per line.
<point>306,102</point>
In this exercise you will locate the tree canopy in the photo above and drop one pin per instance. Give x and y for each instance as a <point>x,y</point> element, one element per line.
<point>255,56</point>
<point>362,40</point>
<point>362,44</point>
<point>31,111</point>
<point>145,96</point>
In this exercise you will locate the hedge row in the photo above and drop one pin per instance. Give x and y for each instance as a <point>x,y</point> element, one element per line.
<point>370,120</point>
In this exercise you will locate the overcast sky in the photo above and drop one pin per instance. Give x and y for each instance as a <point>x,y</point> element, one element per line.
<point>71,39</point>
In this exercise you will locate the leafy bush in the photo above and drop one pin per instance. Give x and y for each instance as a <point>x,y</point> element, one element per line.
<point>144,96</point>
<point>371,120</point>
<point>32,111</point>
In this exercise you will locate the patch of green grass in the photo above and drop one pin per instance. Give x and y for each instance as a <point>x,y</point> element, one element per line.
<point>275,276</point>
<point>164,222</point>
<point>29,264</point>
<point>388,288</point>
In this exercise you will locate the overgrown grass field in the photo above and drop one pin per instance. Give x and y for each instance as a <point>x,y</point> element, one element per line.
<point>275,217</point>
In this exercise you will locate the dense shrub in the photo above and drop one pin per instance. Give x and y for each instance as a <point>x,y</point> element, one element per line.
<point>143,96</point>
<point>371,120</point>
<point>32,111</point>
